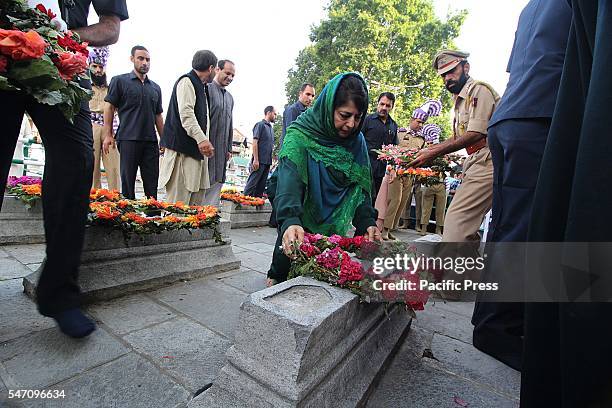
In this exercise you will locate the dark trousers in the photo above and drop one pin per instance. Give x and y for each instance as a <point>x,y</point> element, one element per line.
<point>66,183</point>
<point>376,182</point>
<point>135,154</point>
<point>256,184</point>
<point>517,147</point>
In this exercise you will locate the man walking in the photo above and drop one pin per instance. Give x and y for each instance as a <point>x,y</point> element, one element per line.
<point>263,142</point>
<point>68,169</point>
<point>187,145</point>
<point>97,68</point>
<point>221,129</point>
<point>380,129</point>
<point>139,103</point>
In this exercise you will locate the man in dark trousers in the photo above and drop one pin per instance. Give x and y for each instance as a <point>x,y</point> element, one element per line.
<point>139,103</point>
<point>568,346</point>
<point>517,134</point>
<point>380,129</point>
<point>263,143</point>
<point>68,169</point>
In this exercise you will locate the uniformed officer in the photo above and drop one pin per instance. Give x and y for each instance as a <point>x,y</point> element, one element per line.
<point>400,188</point>
<point>435,192</point>
<point>474,104</point>
<point>98,58</point>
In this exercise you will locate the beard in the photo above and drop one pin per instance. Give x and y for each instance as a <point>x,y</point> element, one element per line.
<point>99,80</point>
<point>455,87</point>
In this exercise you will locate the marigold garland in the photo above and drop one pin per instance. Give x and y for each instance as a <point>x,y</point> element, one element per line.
<point>239,198</point>
<point>143,216</point>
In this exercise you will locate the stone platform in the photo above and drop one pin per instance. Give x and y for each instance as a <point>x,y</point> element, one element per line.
<point>304,343</point>
<point>243,216</point>
<point>21,225</point>
<point>114,266</point>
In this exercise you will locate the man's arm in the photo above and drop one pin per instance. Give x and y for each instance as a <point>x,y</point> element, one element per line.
<point>186,98</point>
<point>109,139</point>
<point>230,136</point>
<point>104,32</point>
<point>159,124</point>
<point>255,154</point>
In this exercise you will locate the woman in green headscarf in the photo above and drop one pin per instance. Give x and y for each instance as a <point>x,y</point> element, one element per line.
<point>323,182</point>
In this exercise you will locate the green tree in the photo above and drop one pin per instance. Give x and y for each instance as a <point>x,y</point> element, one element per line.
<point>277,128</point>
<point>390,42</point>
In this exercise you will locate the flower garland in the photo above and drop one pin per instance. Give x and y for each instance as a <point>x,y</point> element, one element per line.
<point>239,198</point>
<point>144,216</point>
<point>39,59</point>
<point>400,157</point>
<point>328,259</point>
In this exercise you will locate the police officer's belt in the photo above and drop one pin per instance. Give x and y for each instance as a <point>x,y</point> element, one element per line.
<point>476,146</point>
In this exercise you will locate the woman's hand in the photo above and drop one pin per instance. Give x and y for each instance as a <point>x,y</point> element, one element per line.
<point>373,234</point>
<point>293,234</point>
<point>392,176</point>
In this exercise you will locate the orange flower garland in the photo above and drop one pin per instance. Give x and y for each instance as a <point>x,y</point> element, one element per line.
<point>239,198</point>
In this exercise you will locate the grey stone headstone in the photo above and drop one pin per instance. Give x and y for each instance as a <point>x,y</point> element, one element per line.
<point>20,225</point>
<point>303,343</point>
<point>243,216</point>
<point>112,266</point>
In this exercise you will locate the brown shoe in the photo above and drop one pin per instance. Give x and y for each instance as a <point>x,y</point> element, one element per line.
<point>392,237</point>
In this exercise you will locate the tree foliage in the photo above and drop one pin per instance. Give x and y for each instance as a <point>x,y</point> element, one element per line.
<point>390,42</point>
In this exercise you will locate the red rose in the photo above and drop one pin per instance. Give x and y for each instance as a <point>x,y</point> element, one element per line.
<point>46,11</point>
<point>21,46</point>
<point>69,65</point>
<point>3,63</point>
<point>69,44</point>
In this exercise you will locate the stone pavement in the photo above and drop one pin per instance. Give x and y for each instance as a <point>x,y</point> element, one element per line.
<point>162,347</point>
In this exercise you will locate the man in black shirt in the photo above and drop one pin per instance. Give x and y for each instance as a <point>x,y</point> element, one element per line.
<point>263,143</point>
<point>291,113</point>
<point>68,170</point>
<point>380,129</point>
<point>138,101</point>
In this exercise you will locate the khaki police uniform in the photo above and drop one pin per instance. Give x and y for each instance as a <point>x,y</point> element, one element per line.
<point>110,160</point>
<point>435,192</point>
<point>400,189</point>
<point>474,106</point>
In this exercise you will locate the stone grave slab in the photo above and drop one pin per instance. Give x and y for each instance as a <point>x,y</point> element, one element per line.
<point>303,343</point>
<point>20,225</point>
<point>113,266</point>
<point>243,216</point>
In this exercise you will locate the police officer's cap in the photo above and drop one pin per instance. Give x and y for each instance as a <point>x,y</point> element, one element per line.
<point>446,60</point>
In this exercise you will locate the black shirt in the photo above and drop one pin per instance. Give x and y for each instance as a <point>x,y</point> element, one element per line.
<point>76,16</point>
<point>137,104</point>
<point>290,114</point>
<point>377,134</point>
<point>262,132</point>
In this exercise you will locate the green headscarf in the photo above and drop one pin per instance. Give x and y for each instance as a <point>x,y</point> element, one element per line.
<point>335,170</point>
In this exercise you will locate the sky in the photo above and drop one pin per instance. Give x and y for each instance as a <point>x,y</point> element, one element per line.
<point>264,37</point>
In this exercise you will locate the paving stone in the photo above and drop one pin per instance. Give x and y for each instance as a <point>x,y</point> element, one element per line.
<point>130,313</point>
<point>237,249</point>
<point>183,348</point>
<point>247,281</point>
<point>18,314</point>
<point>211,303</point>
<point>468,362</point>
<point>412,381</point>
<point>443,321</point>
<point>459,307</point>
<point>45,358</point>
<point>258,247</point>
<point>130,381</point>
<point>256,261</point>
<point>12,269</point>
<point>4,254</point>
<point>27,254</point>
<point>33,267</point>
